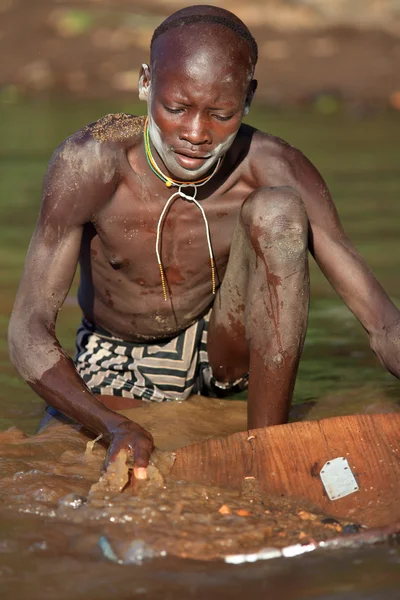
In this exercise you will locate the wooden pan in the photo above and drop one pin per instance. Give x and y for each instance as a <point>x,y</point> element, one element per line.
<point>287,461</point>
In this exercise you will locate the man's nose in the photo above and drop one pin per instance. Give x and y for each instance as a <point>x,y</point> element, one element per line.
<point>196,132</point>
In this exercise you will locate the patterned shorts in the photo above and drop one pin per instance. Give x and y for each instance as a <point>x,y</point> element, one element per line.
<point>161,371</point>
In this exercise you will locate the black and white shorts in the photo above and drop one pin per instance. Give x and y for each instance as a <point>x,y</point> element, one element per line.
<point>158,372</point>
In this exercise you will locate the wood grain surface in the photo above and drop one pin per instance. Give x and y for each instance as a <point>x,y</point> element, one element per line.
<point>287,459</point>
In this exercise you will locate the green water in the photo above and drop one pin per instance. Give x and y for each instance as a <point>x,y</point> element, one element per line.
<point>359,160</point>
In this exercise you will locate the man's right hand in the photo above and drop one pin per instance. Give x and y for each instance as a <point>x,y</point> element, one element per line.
<point>137,442</point>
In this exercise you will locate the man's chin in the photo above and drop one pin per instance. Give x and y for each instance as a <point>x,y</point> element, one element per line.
<point>190,169</point>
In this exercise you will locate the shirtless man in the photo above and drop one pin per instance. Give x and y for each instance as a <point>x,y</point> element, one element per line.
<point>263,204</point>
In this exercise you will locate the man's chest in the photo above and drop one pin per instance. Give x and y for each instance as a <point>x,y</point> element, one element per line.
<point>136,222</point>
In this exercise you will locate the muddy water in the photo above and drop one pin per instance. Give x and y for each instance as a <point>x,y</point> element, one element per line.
<point>64,562</point>
<point>53,505</point>
<point>57,474</point>
<point>58,540</point>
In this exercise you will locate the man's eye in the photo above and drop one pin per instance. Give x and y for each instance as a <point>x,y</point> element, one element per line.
<point>173,110</point>
<point>221,118</point>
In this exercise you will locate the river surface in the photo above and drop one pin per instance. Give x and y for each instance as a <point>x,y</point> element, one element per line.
<point>46,550</point>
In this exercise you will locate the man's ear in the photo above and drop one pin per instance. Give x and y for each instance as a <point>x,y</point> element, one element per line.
<point>250,95</point>
<point>144,82</point>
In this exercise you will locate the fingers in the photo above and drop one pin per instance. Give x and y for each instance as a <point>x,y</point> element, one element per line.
<point>143,450</point>
<point>138,444</point>
<point>140,473</point>
<point>111,456</point>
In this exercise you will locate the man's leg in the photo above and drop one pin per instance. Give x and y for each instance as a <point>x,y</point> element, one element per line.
<point>259,318</point>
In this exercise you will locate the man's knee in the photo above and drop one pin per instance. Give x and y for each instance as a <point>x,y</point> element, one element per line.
<point>274,215</point>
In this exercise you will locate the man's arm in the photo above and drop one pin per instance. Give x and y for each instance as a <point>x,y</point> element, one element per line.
<point>343,266</point>
<point>81,178</point>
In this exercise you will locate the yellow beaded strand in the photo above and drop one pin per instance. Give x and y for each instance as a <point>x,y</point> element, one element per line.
<point>212,275</point>
<point>163,284</point>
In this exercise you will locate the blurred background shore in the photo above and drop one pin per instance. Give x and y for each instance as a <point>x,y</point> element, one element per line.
<point>312,52</point>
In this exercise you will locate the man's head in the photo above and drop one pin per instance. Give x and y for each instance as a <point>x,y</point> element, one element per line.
<point>198,87</point>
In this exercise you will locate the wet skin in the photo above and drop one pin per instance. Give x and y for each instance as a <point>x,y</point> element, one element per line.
<point>266,207</point>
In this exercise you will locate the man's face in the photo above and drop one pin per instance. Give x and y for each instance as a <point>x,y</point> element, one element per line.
<point>195,106</point>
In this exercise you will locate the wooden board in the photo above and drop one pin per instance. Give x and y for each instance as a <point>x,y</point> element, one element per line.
<point>287,460</point>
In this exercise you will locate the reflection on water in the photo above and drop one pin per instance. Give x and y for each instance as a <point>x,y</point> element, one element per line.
<point>338,373</point>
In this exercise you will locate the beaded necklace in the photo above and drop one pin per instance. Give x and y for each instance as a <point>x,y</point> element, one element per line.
<point>181,185</point>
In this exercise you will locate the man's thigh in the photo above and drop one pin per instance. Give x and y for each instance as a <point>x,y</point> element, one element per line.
<point>259,290</point>
<point>227,347</point>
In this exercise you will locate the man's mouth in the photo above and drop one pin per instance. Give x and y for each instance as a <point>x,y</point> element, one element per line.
<point>190,160</point>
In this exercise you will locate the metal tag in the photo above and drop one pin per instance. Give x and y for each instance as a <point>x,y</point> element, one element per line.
<point>338,478</point>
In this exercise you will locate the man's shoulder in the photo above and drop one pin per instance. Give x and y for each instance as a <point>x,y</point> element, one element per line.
<point>99,144</point>
<point>107,134</point>
<point>262,142</point>
<point>269,155</point>
<point>114,129</point>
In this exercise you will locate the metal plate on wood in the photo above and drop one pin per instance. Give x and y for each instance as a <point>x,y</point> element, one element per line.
<point>338,479</point>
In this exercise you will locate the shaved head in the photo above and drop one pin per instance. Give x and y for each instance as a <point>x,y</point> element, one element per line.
<point>207,37</point>
<point>210,15</point>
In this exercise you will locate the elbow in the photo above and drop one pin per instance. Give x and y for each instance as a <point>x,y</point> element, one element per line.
<point>32,348</point>
<point>24,341</point>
